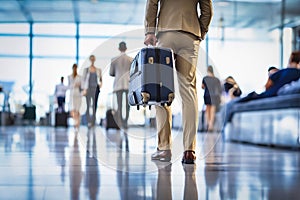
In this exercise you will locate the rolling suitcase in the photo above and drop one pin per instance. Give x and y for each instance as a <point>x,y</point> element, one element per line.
<point>30,112</point>
<point>152,77</point>
<point>61,119</point>
<point>111,120</point>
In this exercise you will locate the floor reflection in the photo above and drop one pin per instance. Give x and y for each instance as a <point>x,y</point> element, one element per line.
<point>92,175</point>
<point>61,143</point>
<point>164,183</point>
<point>48,163</point>
<point>75,170</point>
<point>29,140</point>
<point>190,183</point>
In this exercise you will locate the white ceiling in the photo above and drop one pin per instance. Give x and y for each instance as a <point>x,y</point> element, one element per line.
<point>265,14</point>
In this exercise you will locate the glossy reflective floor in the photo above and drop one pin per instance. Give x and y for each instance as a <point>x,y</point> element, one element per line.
<point>49,163</point>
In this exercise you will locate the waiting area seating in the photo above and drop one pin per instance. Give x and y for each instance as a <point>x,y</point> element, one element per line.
<point>270,121</point>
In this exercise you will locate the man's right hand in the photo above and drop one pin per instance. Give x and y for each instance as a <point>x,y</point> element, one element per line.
<point>150,39</point>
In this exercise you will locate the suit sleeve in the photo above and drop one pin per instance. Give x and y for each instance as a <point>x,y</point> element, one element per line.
<point>205,16</point>
<point>151,16</point>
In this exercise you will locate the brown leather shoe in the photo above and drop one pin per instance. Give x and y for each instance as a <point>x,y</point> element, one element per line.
<point>189,157</point>
<point>162,155</point>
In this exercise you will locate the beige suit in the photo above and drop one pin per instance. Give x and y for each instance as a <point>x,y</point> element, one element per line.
<point>179,27</point>
<point>178,15</point>
<point>120,68</point>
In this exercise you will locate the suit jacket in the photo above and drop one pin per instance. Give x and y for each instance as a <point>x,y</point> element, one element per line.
<point>86,76</point>
<point>119,68</point>
<point>178,15</point>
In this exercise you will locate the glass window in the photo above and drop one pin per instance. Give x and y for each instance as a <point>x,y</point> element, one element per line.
<point>107,29</point>
<point>14,46</point>
<point>55,29</point>
<point>14,28</point>
<point>17,71</point>
<point>46,74</point>
<point>54,47</point>
<point>88,46</point>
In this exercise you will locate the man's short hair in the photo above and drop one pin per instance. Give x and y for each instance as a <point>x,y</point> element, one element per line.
<point>295,57</point>
<point>210,69</point>
<point>272,68</point>
<point>122,46</point>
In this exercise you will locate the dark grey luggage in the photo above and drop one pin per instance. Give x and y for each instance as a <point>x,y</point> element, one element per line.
<point>61,119</point>
<point>111,120</point>
<point>30,112</point>
<point>152,77</point>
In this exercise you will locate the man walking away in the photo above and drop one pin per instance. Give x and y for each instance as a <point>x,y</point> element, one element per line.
<point>120,67</point>
<point>60,94</point>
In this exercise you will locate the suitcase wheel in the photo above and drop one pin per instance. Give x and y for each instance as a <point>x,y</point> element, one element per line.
<point>145,97</point>
<point>138,107</point>
<point>150,107</point>
<point>171,97</point>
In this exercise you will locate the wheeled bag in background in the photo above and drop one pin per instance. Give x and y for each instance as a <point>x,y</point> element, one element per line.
<point>111,120</point>
<point>152,77</point>
<point>30,112</point>
<point>61,119</point>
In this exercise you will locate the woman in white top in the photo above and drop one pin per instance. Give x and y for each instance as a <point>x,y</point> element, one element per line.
<point>75,95</point>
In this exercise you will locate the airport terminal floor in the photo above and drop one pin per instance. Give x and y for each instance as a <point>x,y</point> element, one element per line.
<point>58,163</point>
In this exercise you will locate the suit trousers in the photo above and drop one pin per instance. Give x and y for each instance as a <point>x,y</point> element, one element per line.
<point>185,47</point>
<point>122,120</point>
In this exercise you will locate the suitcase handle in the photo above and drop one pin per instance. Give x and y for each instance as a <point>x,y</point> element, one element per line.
<point>134,67</point>
<point>135,98</point>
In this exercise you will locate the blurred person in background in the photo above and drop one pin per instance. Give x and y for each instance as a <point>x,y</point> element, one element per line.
<point>231,88</point>
<point>272,70</point>
<point>75,95</point>
<point>233,93</point>
<point>2,98</point>
<point>92,82</point>
<point>60,94</point>
<point>212,97</point>
<point>120,68</point>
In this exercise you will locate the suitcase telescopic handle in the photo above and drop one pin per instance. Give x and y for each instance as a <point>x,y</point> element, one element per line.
<point>134,66</point>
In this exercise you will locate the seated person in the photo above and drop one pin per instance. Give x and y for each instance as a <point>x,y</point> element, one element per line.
<point>232,89</point>
<point>279,79</point>
<point>272,70</point>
